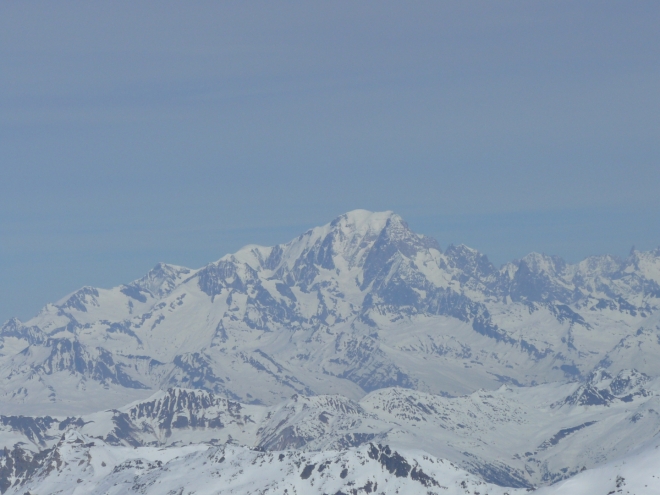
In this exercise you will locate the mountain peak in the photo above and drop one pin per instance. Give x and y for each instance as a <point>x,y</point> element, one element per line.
<point>364,221</point>
<point>161,279</point>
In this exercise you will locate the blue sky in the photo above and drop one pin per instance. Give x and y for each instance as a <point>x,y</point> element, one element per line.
<point>139,132</point>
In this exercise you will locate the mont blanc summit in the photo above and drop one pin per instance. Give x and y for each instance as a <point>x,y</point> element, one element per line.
<point>359,343</point>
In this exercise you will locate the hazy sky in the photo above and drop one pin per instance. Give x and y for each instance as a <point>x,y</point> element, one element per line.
<point>138,132</point>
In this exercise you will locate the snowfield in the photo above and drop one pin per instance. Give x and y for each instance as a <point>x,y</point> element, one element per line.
<point>82,465</point>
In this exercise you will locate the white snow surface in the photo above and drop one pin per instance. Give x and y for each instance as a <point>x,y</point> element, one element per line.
<point>83,465</point>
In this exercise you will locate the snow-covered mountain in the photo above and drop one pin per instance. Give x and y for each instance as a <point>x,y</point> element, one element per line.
<point>357,305</point>
<point>512,436</point>
<point>79,463</point>
<point>377,334</point>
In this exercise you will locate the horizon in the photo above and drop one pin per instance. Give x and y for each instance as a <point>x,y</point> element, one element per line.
<point>133,134</point>
<point>443,249</point>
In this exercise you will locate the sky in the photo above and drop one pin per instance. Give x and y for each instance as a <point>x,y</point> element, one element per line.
<point>138,132</point>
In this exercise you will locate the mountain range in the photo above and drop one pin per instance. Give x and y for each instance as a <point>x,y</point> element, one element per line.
<point>359,337</point>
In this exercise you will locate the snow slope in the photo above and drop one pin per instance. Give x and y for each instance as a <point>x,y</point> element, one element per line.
<point>512,436</point>
<point>79,464</point>
<point>637,474</point>
<point>82,465</point>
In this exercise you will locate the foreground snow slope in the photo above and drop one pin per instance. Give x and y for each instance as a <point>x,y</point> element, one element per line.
<point>512,436</point>
<point>81,465</point>
<point>637,474</point>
